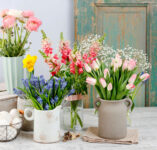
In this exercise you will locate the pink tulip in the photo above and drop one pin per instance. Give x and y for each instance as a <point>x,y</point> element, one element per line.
<point>131,64</point>
<point>87,68</point>
<point>91,80</point>
<point>144,77</point>
<point>103,82</point>
<point>4,12</point>
<point>33,24</point>
<point>130,86</point>
<point>109,87</point>
<point>95,65</point>
<point>8,21</point>
<point>125,65</point>
<point>27,14</point>
<point>106,71</point>
<point>132,78</point>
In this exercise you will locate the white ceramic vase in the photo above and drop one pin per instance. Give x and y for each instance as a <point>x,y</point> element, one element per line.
<point>46,124</point>
<point>13,72</point>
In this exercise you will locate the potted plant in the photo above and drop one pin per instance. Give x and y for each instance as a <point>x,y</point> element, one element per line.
<point>46,98</point>
<point>115,85</point>
<point>16,27</point>
<point>106,53</point>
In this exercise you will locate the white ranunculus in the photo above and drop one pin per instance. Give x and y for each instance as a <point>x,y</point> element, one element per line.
<point>15,13</point>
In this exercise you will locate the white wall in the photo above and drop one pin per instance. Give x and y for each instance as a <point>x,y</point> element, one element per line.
<point>56,15</point>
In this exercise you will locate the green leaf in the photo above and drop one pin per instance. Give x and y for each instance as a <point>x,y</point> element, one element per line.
<point>43,34</point>
<point>102,38</point>
<point>43,54</point>
<point>61,36</point>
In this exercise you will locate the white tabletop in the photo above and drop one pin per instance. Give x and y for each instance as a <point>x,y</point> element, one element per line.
<point>144,119</point>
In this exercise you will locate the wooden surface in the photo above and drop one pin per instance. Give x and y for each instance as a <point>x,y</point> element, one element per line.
<point>143,119</point>
<point>125,22</point>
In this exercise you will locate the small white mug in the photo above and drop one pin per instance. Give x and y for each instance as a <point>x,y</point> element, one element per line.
<point>46,124</point>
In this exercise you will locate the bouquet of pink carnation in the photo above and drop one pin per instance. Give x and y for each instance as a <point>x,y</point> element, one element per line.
<point>16,28</point>
<point>118,81</point>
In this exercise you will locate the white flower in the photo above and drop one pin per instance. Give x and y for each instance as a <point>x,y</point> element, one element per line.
<point>117,62</point>
<point>15,13</point>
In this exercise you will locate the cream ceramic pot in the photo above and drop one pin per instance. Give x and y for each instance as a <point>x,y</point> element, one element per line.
<point>112,117</point>
<point>22,104</point>
<point>46,124</point>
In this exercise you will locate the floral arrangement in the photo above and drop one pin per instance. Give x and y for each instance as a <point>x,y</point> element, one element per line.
<point>45,95</point>
<point>16,28</point>
<point>70,64</point>
<point>118,81</point>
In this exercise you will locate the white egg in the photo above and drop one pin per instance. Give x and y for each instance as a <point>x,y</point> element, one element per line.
<point>14,113</point>
<point>11,133</point>
<point>17,123</point>
<point>5,118</point>
<point>3,133</point>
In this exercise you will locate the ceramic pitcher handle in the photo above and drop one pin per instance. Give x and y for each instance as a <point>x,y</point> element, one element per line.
<point>96,103</point>
<point>129,103</point>
<point>28,111</point>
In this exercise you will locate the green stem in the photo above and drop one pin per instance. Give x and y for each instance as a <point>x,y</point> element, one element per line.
<point>136,91</point>
<point>24,41</point>
<point>74,115</point>
<point>3,41</point>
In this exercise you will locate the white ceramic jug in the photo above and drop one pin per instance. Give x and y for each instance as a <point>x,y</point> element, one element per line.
<point>46,124</point>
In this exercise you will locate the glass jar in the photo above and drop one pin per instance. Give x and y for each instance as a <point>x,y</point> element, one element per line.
<point>73,113</point>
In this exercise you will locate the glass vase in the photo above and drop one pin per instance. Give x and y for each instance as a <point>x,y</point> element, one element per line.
<point>73,113</point>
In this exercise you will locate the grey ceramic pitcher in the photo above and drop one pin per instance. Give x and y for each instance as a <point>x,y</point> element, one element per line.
<point>112,117</point>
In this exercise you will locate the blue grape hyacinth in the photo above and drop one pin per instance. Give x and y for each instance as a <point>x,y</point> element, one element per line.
<point>46,107</point>
<point>40,100</point>
<point>45,95</point>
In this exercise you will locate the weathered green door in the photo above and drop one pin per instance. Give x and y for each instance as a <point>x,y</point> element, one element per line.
<point>125,23</point>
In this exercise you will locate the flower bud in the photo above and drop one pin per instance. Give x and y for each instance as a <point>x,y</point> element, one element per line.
<point>130,86</point>
<point>91,80</point>
<point>103,82</point>
<point>109,87</point>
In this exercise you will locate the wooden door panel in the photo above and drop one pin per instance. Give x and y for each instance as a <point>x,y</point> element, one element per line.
<point>122,25</point>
